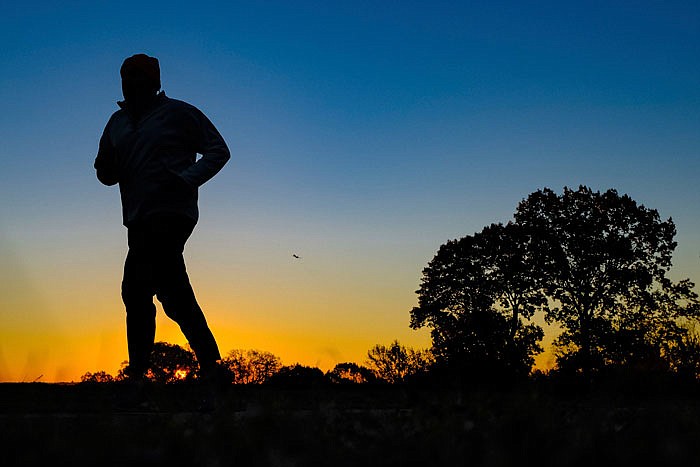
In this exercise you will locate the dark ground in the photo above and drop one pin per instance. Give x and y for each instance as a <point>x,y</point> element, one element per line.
<point>339,425</point>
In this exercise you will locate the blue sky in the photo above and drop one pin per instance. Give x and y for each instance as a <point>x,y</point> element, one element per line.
<point>363,136</point>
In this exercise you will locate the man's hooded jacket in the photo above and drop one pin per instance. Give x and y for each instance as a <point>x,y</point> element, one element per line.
<point>152,154</point>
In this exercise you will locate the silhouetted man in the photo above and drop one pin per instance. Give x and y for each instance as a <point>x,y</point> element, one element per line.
<point>149,148</point>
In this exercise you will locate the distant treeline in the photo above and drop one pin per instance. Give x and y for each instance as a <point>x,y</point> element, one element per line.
<point>172,363</point>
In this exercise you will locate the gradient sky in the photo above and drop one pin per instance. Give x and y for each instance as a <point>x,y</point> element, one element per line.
<point>364,134</point>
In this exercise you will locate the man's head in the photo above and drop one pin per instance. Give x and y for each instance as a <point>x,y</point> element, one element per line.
<point>140,78</point>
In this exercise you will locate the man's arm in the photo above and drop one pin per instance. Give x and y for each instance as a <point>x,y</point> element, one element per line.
<point>105,163</point>
<point>211,145</point>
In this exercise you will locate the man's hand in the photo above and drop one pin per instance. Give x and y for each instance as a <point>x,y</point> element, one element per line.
<point>175,185</point>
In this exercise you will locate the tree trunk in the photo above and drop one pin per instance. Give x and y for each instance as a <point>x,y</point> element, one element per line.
<point>513,357</point>
<point>586,359</point>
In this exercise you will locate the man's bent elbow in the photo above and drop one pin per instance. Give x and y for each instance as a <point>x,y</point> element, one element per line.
<point>107,178</point>
<point>222,157</point>
<point>225,154</point>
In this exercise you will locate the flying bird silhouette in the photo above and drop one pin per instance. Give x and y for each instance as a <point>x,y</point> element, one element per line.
<point>296,256</point>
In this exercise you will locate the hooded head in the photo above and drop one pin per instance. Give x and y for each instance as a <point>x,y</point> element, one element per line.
<point>140,78</point>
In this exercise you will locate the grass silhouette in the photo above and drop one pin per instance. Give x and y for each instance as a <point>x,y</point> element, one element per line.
<point>348,425</point>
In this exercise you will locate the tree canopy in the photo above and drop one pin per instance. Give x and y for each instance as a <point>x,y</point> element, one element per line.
<point>475,295</point>
<point>594,263</point>
<point>604,259</point>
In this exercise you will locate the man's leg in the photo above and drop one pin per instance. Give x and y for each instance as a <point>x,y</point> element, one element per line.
<point>137,294</point>
<point>175,292</point>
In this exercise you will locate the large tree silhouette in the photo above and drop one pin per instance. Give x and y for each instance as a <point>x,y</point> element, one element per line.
<point>604,259</point>
<point>475,295</point>
<point>516,285</point>
<point>600,259</point>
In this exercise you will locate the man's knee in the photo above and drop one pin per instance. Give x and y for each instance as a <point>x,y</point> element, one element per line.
<point>180,307</point>
<point>136,293</point>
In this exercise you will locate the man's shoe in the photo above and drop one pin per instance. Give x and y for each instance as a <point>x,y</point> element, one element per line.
<point>133,395</point>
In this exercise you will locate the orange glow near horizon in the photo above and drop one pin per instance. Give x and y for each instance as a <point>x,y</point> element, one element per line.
<point>316,312</point>
<point>65,356</point>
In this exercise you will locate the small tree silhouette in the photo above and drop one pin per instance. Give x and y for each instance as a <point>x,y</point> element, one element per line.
<point>682,352</point>
<point>97,377</point>
<point>351,373</point>
<point>251,366</point>
<point>298,375</point>
<point>396,363</point>
<point>170,363</point>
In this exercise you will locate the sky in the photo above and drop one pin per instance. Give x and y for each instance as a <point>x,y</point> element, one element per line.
<point>363,134</point>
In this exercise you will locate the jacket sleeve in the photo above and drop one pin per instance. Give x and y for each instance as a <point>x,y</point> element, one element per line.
<point>105,162</point>
<point>211,145</point>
